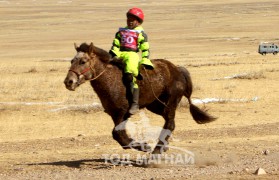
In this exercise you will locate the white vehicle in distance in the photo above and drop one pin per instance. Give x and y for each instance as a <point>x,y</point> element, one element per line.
<point>265,48</point>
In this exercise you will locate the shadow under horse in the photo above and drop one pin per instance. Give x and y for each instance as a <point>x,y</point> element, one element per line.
<point>161,90</point>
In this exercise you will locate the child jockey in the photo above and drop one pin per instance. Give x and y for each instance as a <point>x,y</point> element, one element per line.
<point>127,43</point>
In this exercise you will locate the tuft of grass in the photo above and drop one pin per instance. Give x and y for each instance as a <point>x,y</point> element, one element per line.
<point>53,70</point>
<point>32,70</point>
<point>272,70</point>
<point>213,64</point>
<point>250,76</point>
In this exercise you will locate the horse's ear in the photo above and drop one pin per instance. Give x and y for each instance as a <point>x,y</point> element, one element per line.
<point>91,48</point>
<point>76,46</point>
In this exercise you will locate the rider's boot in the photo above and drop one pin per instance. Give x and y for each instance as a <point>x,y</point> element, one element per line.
<point>135,101</point>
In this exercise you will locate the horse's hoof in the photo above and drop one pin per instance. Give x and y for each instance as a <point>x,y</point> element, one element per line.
<point>141,147</point>
<point>146,147</point>
<point>165,148</point>
<point>160,149</point>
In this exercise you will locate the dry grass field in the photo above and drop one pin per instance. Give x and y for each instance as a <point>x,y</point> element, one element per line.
<point>48,132</point>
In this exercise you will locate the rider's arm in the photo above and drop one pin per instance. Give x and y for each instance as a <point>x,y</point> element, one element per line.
<point>144,45</point>
<point>115,48</point>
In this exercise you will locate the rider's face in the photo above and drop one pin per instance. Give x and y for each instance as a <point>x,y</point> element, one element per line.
<point>132,22</point>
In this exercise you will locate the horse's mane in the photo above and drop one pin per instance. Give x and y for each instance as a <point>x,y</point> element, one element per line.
<point>103,55</point>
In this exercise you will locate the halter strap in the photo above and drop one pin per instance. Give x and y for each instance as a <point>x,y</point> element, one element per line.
<point>88,69</point>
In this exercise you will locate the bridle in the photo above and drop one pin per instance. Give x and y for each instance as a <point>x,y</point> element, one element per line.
<point>91,67</point>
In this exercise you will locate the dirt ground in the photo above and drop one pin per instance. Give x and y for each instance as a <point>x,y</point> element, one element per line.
<point>48,132</point>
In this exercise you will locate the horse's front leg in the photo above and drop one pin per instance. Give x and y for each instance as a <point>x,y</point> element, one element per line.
<point>120,135</point>
<point>122,138</point>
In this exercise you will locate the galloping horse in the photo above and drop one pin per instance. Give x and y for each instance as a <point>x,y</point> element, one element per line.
<point>161,90</point>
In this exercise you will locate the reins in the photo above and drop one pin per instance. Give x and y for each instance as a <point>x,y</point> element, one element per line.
<point>153,89</point>
<point>92,79</point>
<point>92,69</point>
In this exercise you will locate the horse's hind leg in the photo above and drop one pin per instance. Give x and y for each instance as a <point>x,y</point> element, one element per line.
<point>166,132</point>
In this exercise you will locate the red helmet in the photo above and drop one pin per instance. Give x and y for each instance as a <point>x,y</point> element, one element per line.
<point>136,12</point>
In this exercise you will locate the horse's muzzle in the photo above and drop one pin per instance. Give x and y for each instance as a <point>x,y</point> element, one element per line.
<point>70,83</point>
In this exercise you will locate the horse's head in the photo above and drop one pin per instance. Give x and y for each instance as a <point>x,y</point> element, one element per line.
<point>81,66</point>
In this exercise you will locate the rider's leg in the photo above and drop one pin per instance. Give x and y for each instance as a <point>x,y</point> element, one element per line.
<point>131,59</point>
<point>133,89</point>
<point>135,101</point>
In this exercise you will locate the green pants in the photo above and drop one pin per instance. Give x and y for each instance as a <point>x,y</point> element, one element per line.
<point>131,60</point>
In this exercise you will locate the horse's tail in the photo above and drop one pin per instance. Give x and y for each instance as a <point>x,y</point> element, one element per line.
<point>200,116</point>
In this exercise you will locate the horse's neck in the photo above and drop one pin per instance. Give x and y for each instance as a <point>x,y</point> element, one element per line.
<point>109,82</point>
<point>98,67</point>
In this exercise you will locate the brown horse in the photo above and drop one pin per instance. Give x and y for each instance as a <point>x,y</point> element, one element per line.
<point>161,90</point>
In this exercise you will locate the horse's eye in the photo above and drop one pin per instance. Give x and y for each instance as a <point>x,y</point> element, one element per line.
<point>72,61</point>
<point>82,62</point>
